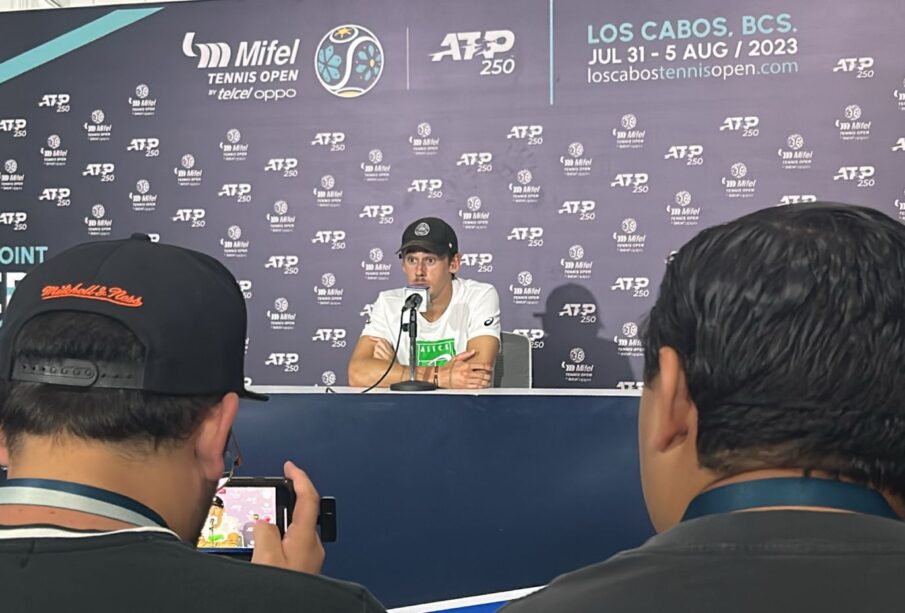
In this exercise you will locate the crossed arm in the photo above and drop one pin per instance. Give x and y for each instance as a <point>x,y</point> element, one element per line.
<point>471,369</point>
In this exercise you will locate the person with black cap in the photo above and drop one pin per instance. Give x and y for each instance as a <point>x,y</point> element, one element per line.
<point>122,364</point>
<point>458,334</point>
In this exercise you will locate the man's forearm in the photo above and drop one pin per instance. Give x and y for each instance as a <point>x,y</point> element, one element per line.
<point>365,372</point>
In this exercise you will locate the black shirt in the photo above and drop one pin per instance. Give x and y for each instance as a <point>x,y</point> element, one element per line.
<point>757,562</point>
<point>51,569</point>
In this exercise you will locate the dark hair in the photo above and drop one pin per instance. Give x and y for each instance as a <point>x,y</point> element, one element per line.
<point>109,415</point>
<point>790,325</point>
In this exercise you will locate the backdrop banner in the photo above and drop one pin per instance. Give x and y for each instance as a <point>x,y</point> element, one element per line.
<point>572,145</point>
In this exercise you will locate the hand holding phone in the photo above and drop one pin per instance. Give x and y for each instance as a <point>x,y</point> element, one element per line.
<point>300,549</point>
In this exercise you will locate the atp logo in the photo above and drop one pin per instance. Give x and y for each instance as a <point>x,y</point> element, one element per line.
<point>17,219</point>
<point>60,102</point>
<point>287,166</point>
<point>692,154</point>
<point>193,217</point>
<point>459,46</point>
<point>585,312</point>
<point>583,209</point>
<point>289,362</point>
<point>100,170</point>
<point>532,134</point>
<point>383,213</point>
<point>534,235</point>
<point>240,191</point>
<point>335,141</point>
<point>336,239</point>
<point>861,67</point>
<point>433,188</point>
<point>466,46</point>
<point>480,161</point>
<point>481,262</point>
<point>636,181</point>
<point>289,264</point>
<point>18,127</point>
<point>62,195</point>
<point>636,286</point>
<point>149,146</point>
<point>335,337</point>
<point>746,125</point>
<point>863,176</point>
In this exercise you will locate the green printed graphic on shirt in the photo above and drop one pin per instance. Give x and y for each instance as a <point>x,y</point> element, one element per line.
<point>438,353</point>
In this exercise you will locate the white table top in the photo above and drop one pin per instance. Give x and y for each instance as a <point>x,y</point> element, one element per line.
<point>498,391</point>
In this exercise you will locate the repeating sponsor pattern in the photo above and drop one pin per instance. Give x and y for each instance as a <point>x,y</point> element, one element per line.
<point>296,145</point>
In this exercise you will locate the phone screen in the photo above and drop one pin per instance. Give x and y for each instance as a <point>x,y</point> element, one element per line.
<point>229,525</point>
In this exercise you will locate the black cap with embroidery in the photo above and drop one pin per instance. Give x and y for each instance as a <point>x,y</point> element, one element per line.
<point>430,234</point>
<point>184,307</point>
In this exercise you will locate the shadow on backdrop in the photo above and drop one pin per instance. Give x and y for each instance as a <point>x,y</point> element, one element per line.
<point>577,351</point>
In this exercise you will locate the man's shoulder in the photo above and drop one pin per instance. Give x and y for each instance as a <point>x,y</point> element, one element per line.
<point>276,583</point>
<point>596,587</point>
<point>469,289</point>
<point>720,554</point>
<point>203,580</point>
<point>392,296</point>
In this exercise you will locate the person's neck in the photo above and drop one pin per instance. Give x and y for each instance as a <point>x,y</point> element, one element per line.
<point>439,304</point>
<point>894,501</point>
<point>155,479</point>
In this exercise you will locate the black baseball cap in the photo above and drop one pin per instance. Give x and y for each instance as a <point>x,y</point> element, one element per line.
<point>430,234</point>
<point>185,307</point>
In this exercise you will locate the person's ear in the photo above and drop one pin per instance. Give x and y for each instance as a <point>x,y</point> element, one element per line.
<point>212,435</point>
<point>676,414</point>
<point>454,263</point>
<point>4,450</point>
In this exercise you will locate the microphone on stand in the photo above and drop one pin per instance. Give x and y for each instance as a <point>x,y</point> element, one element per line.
<point>417,299</point>
<point>412,302</point>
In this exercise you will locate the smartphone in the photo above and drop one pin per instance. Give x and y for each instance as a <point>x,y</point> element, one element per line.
<point>237,507</point>
<point>244,501</point>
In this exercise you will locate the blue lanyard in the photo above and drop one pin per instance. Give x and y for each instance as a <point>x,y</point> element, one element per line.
<point>78,497</point>
<point>786,492</point>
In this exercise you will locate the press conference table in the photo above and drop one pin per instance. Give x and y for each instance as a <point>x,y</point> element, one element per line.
<point>451,493</point>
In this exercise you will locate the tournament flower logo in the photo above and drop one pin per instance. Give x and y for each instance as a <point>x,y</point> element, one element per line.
<point>349,61</point>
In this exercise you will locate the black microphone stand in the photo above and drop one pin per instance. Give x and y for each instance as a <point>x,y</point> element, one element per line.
<point>413,384</point>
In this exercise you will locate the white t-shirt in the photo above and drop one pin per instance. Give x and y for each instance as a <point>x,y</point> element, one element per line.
<point>474,310</point>
<point>217,535</point>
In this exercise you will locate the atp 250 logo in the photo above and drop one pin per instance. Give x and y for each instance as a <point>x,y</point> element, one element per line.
<point>466,46</point>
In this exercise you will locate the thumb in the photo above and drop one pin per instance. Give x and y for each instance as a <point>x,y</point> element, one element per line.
<point>268,545</point>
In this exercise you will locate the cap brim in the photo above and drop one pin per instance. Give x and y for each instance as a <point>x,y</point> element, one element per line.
<point>244,393</point>
<point>435,248</point>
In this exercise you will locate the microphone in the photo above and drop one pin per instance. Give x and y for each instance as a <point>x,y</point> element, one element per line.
<point>413,301</point>
<point>417,297</point>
